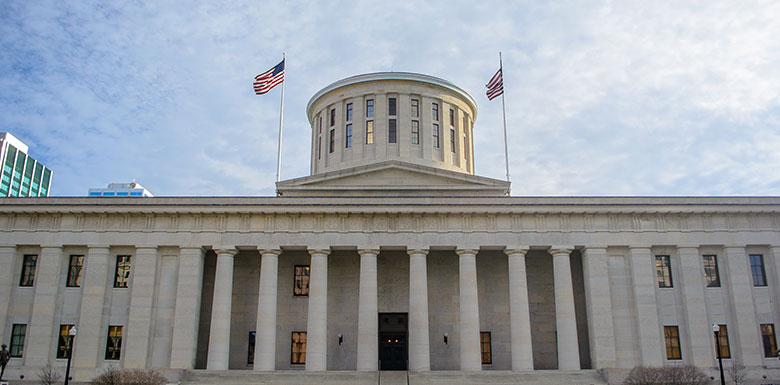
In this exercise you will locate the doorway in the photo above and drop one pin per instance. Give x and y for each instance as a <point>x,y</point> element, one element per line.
<point>392,341</point>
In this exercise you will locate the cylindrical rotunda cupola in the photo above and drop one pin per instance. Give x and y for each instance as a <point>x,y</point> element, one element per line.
<point>408,117</point>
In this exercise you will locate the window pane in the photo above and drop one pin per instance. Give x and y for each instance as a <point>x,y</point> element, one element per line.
<point>452,117</point>
<point>17,340</point>
<point>348,136</point>
<point>415,108</point>
<point>114,343</point>
<point>391,107</point>
<point>369,108</point>
<point>663,270</point>
<point>298,348</point>
<point>485,347</point>
<point>332,117</point>
<point>435,135</point>
<point>672,338</point>
<point>711,271</point>
<point>391,131</point>
<point>415,132</point>
<point>723,339</point>
<point>28,270</point>
<point>301,281</point>
<point>250,357</point>
<point>332,140</point>
<point>74,270</point>
<point>370,132</point>
<point>435,112</point>
<point>349,111</point>
<point>770,342</point>
<point>757,269</point>
<point>63,346</point>
<point>122,275</point>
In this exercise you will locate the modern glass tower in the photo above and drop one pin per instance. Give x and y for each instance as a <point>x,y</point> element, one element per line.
<point>22,176</point>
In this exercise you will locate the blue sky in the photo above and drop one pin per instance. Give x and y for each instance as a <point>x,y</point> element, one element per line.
<point>603,98</point>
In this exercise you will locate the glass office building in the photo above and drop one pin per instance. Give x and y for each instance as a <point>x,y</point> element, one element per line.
<point>22,176</point>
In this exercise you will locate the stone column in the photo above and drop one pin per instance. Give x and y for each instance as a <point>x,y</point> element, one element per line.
<point>95,279</point>
<point>317,323</point>
<point>743,330</point>
<point>650,341</point>
<point>419,340</point>
<point>565,319</point>
<point>265,333</point>
<point>774,250</point>
<point>7,259</point>
<point>221,311</point>
<point>368,316</point>
<point>40,335</point>
<point>699,335</point>
<point>186,317</point>
<point>470,352</point>
<point>139,325</point>
<point>598,301</point>
<point>519,313</point>
<point>165,309</point>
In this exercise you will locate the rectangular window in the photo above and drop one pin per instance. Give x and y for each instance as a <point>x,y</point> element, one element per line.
<point>415,108</point>
<point>63,345</point>
<point>28,270</point>
<point>332,117</point>
<point>452,140</point>
<point>663,270</point>
<point>672,338</point>
<point>370,108</point>
<point>757,269</point>
<point>114,343</point>
<point>122,272</point>
<point>452,117</point>
<point>391,106</point>
<point>370,132</point>
<point>485,348</point>
<point>723,337</point>
<point>711,275</point>
<point>415,132</point>
<point>18,333</point>
<point>250,356</point>
<point>319,125</point>
<point>349,111</point>
<point>768,337</point>
<point>319,147</point>
<point>301,281</point>
<point>391,131</point>
<point>74,270</point>
<point>332,140</point>
<point>298,349</point>
<point>348,136</point>
<point>435,135</point>
<point>435,112</point>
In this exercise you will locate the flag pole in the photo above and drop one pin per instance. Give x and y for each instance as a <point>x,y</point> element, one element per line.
<point>281,120</point>
<point>503,109</point>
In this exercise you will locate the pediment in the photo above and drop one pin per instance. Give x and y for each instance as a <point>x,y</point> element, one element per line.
<point>393,178</point>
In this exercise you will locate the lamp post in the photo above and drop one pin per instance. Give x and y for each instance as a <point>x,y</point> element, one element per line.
<point>72,332</point>
<point>716,330</point>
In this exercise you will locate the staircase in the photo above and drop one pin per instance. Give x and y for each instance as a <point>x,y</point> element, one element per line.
<point>492,377</point>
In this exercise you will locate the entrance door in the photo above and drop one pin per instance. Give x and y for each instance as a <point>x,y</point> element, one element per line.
<point>392,341</point>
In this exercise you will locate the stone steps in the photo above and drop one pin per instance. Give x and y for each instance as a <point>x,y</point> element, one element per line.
<point>493,377</point>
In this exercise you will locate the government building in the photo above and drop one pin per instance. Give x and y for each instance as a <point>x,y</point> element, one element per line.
<point>392,262</point>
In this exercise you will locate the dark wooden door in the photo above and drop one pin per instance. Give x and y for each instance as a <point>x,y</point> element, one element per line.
<point>393,341</point>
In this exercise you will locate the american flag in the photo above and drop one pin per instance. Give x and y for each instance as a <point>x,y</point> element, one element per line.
<point>495,86</point>
<point>269,79</point>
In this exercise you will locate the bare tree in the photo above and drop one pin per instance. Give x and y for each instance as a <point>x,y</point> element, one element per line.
<point>113,376</point>
<point>48,375</point>
<point>737,372</point>
<point>674,374</point>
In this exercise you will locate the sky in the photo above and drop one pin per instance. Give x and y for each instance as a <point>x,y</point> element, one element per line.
<point>603,98</point>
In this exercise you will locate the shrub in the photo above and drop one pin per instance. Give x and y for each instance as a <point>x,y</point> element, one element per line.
<point>666,375</point>
<point>48,375</point>
<point>113,376</point>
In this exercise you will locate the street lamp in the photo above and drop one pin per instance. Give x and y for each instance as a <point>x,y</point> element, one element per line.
<point>72,332</point>
<point>716,329</point>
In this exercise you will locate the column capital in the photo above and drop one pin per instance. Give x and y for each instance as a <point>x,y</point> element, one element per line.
<point>467,250</point>
<point>368,250</point>
<point>517,250</point>
<point>417,251</point>
<point>226,251</point>
<point>264,252</point>
<point>319,251</point>
<point>554,250</point>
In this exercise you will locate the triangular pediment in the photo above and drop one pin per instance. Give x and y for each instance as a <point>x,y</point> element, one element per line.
<point>393,178</point>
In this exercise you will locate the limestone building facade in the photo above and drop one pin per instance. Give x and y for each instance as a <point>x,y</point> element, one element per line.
<point>391,255</point>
